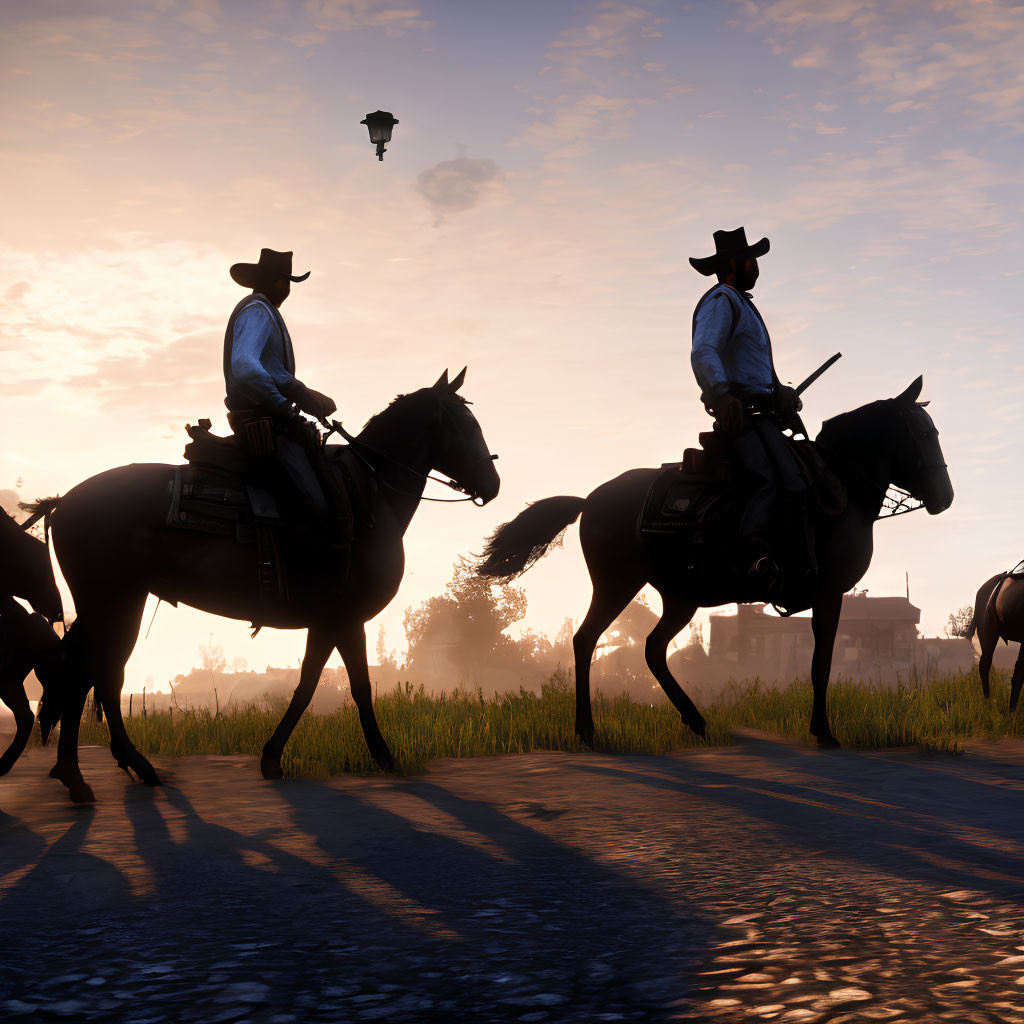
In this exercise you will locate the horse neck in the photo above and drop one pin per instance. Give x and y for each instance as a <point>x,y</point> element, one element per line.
<point>865,457</point>
<point>404,433</point>
<point>13,554</point>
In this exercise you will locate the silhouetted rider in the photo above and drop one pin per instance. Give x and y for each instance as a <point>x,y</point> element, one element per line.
<point>732,360</point>
<point>264,397</point>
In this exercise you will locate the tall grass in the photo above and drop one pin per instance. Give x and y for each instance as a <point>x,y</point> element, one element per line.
<point>420,727</point>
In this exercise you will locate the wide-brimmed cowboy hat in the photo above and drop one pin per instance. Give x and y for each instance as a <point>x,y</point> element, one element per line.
<point>271,266</point>
<point>729,245</point>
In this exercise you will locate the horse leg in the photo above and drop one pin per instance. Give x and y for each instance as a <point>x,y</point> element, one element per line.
<point>677,613</point>
<point>318,650</point>
<point>121,747</point>
<point>352,645</point>
<point>12,692</point>
<point>101,642</point>
<point>824,625</point>
<point>605,605</point>
<point>66,767</point>
<point>988,638</point>
<point>1017,679</point>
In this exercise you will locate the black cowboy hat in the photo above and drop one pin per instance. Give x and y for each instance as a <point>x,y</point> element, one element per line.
<point>729,245</point>
<point>271,266</point>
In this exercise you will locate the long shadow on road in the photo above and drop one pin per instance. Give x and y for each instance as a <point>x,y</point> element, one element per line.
<point>906,818</point>
<point>204,901</point>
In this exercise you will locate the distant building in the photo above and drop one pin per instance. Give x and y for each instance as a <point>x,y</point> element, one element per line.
<point>877,641</point>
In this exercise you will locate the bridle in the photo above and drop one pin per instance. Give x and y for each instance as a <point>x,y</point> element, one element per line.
<point>897,501</point>
<point>360,447</point>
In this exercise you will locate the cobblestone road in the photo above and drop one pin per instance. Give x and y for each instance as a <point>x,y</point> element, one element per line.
<point>760,882</point>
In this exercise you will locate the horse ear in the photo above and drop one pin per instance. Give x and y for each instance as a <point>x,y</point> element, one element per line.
<point>460,378</point>
<point>912,393</point>
<point>442,381</point>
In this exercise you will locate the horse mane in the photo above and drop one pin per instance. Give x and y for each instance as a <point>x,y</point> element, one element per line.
<point>381,420</point>
<point>377,415</point>
<point>856,425</point>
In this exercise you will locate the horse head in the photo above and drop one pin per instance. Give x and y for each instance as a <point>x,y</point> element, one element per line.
<point>918,463</point>
<point>28,573</point>
<point>461,451</point>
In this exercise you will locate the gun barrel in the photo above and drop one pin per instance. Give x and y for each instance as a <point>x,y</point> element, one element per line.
<point>805,384</point>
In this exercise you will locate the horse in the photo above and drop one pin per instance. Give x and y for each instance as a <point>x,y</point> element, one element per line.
<point>114,549</point>
<point>25,572</point>
<point>999,614</point>
<point>25,569</point>
<point>27,642</point>
<point>891,441</point>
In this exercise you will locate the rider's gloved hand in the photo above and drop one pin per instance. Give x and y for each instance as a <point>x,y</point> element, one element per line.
<point>318,405</point>
<point>787,403</point>
<point>729,412</point>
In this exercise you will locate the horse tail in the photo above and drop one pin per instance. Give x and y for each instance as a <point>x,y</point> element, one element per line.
<point>515,546</point>
<point>972,627</point>
<point>42,508</point>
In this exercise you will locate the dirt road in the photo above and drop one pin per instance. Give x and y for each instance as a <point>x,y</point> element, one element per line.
<point>761,882</point>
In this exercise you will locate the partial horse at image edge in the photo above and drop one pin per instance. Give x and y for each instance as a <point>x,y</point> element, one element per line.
<point>999,615</point>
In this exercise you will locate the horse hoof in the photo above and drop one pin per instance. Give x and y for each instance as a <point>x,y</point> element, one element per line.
<point>586,734</point>
<point>271,769</point>
<point>828,743</point>
<point>81,792</point>
<point>386,762</point>
<point>698,726</point>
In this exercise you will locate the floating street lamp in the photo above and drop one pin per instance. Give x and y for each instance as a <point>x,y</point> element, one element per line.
<point>379,125</point>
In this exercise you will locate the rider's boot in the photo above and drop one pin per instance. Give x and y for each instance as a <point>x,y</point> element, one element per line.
<point>757,565</point>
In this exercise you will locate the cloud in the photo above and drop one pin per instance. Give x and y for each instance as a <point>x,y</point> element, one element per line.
<point>957,52</point>
<point>454,186</point>
<point>575,124</point>
<point>816,57</point>
<point>352,15</point>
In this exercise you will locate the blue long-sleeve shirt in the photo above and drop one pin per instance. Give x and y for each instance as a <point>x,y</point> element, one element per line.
<point>260,372</point>
<point>726,358</point>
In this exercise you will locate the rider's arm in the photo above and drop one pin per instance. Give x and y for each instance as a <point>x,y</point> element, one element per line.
<point>712,328</point>
<point>262,384</point>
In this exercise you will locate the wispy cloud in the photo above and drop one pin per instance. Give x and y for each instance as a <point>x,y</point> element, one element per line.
<point>353,15</point>
<point>950,49</point>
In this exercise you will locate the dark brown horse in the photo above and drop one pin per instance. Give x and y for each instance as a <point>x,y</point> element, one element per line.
<point>114,549</point>
<point>26,641</point>
<point>888,442</point>
<point>999,615</point>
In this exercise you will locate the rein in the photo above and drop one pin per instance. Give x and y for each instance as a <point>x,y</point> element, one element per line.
<point>896,501</point>
<point>335,427</point>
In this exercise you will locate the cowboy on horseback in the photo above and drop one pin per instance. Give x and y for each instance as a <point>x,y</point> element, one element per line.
<point>264,401</point>
<point>732,361</point>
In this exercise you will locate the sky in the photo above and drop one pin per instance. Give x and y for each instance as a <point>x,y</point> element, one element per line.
<point>553,167</point>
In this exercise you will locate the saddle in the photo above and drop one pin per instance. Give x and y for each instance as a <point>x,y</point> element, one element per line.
<point>704,488</point>
<point>699,503</point>
<point>218,492</point>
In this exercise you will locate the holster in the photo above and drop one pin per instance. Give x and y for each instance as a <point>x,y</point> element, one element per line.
<point>255,429</point>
